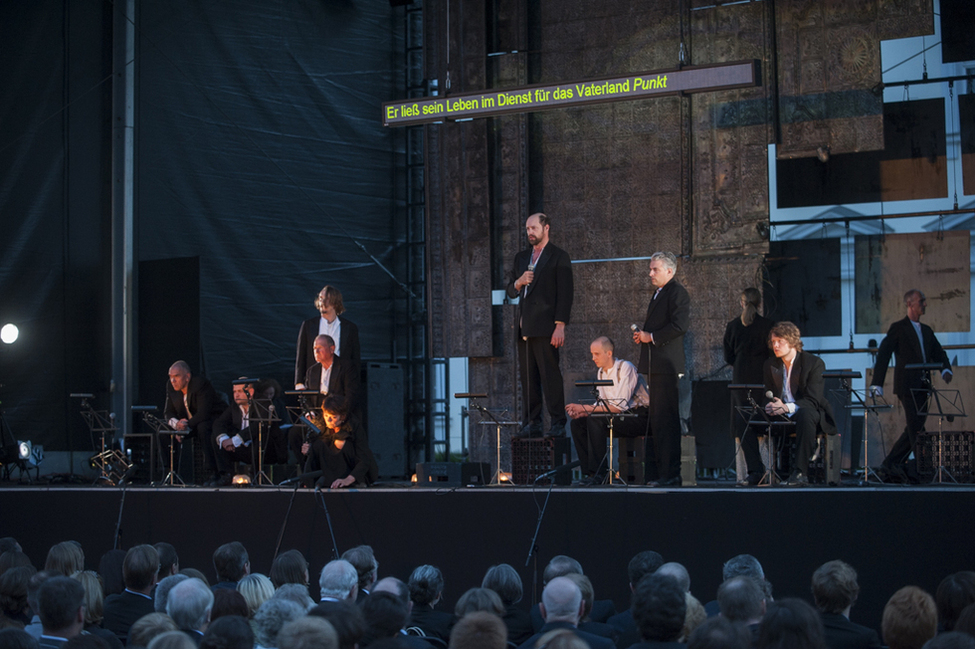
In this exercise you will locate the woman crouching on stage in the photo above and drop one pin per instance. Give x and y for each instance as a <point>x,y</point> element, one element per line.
<point>341,453</point>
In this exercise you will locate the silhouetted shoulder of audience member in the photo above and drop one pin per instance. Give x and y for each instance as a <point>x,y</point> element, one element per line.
<point>230,563</point>
<point>161,593</point>
<point>479,630</point>
<point>720,633</point>
<point>172,640</point>
<point>790,623</point>
<point>271,618</point>
<point>910,619</point>
<point>110,570</point>
<point>659,606</point>
<point>256,589</point>
<point>65,558</point>
<point>228,603</point>
<point>14,559</point>
<point>228,632</point>
<point>951,640</point>
<point>966,620</point>
<point>14,584</point>
<point>954,593</point>
<point>17,639</point>
<point>309,632</point>
<point>426,589</point>
<point>289,568</point>
<point>86,641</point>
<point>147,627</point>
<point>346,618</point>
<point>481,599</point>
<point>835,589</point>
<point>506,582</point>
<point>195,574</point>
<point>168,560</point>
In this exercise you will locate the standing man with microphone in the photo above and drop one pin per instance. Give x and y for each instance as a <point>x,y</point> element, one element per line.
<point>662,359</point>
<point>542,279</point>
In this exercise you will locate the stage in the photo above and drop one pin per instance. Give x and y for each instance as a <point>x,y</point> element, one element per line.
<point>893,535</point>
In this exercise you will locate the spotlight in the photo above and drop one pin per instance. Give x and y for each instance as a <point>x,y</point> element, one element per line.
<point>242,480</point>
<point>9,333</point>
<point>24,449</point>
<point>31,455</point>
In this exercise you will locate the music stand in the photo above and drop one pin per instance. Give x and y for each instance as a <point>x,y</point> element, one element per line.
<point>161,428</point>
<point>947,403</point>
<point>496,480</point>
<point>111,463</point>
<point>264,415</point>
<point>872,407</point>
<point>748,387</point>
<point>771,476</point>
<point>605,414</point>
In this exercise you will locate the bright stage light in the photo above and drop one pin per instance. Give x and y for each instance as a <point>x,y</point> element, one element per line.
<point>9,333</point>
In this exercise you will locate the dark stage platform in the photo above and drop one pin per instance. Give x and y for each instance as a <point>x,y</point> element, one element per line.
<point>892,535</point>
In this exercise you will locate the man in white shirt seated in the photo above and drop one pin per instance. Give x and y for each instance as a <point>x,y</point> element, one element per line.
<point>628,395</point>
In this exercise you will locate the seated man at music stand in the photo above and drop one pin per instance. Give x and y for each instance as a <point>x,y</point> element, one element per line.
<point>627,394</point>
<point>191,408</point>
<point>237,432</point>
<point>794,379</point>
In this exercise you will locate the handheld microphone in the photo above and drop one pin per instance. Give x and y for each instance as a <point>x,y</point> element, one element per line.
<point>769,395</point>
<point>634,328</point>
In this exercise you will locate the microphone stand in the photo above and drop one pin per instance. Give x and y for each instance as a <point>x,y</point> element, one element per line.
<point>532,548</point>
<point>287,515</point>
<point>328,519</point>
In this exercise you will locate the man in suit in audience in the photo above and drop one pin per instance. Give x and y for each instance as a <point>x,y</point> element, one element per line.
<point>140,568</point>
<point>835,589</point>
<point>641,565</point>
<point>189,604</point>
<point>562,607</point>
<point>231,563</point>
<point>659,606</point>
<point>742,600</point>
<point>60,602</point>
<point>559,566</point>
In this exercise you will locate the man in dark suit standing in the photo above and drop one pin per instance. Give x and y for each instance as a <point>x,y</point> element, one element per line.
<point>192,406</point>
<point>342,330</point>
<point>662,359</point>
<point>912,343</point>
<point>238,430</point>
<point>801,398</point>
<point>543,282</point>
<point>331,374</point>
<point>834,589</point>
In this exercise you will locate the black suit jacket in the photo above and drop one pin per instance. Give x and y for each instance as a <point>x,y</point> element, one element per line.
<point>840,633</point>
<point>229,422</point>
<point>203,400</point>
<point>549,297</point>
<point>594,641</point>
<point>668,317</point>
<point>305,357</point>
<point>432,622</point>
<point>629,634</point>
<point>519,624</point>
<point>902,341</point>
<point>807,384</point>
<point>122,610</point>
<point>343,380</point>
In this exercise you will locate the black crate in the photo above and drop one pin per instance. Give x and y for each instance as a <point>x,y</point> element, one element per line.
<point>959,448</point>
<point>531,458</point>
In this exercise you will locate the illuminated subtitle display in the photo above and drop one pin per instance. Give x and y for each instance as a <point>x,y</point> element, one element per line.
<point>472,105</point>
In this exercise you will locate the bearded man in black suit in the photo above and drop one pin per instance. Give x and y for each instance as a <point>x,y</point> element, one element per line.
<point>912,343</point>
<point>543,282</point>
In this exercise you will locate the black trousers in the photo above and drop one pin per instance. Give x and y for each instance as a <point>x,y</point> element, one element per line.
<point>906,443</point>
<point>539,370</point>
<point>589,434</point>
<point>275,451</point>
<point>807,422</point>
<point>665,425</point>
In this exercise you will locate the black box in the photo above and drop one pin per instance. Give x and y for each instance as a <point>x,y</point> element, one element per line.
<point>531,458</point>
<point>452,474</point>
<point>825,469</point>
<point>959,447</point>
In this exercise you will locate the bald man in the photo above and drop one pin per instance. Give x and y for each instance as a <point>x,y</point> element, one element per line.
<point>191,408</point>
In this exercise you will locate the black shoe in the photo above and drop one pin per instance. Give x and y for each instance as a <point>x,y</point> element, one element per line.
<point>798,479</point>
<point>754,479</point>
<point>223,480</point>
<point>528,431</point>
<point>669,482</point>
<point>893,474</point>
<point>557,429</point>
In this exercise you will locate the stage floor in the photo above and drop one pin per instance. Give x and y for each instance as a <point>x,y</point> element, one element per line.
<point>893,535</point>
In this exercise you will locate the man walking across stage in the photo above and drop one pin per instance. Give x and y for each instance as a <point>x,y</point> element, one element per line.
<point>795,379</point>
<point>662,357</point>
<point>628,394</point>
<point>543,280</point>
<point>912,343</point>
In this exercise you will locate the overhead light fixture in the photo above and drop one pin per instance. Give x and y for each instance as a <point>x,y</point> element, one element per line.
<point>9,333</point>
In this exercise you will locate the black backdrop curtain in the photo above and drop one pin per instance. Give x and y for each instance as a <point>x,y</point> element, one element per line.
<point>259,151</point>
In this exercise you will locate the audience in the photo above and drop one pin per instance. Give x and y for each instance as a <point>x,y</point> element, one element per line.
<point>52,610</point>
